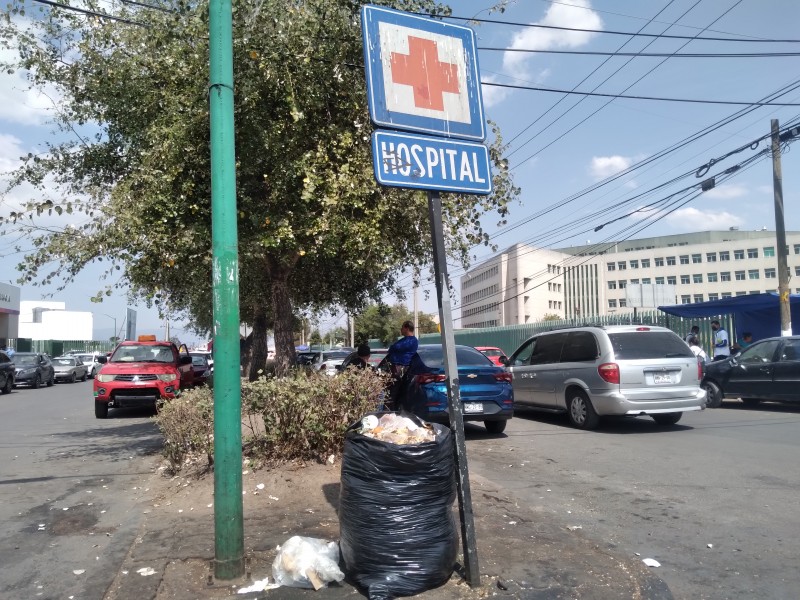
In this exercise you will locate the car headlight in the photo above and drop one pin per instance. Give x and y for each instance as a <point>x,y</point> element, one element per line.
<point>167,376</point>
<point>105,378</point>
<point>26,371</point>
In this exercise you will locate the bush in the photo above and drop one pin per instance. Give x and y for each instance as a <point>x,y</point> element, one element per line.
<point>303,416</point>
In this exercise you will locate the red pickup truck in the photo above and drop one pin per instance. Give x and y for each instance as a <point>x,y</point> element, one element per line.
<point>139,373</point>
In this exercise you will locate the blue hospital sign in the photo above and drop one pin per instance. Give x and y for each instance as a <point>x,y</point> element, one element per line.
<point>422,74</point>
<point>430,163</point>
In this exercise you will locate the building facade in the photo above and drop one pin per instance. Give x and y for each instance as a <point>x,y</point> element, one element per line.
<point>592,279</point>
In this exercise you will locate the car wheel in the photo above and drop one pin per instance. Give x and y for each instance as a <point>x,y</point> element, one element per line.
<point>74,378</point>
<point>100,409</point>
<point>37,382</point>
<point>495,427</point>
<point>8,386</point>
<point>581,412</point>
<point>85,376</point>
<point>751,401</point>
<point>713,394</point>
<point>93,374</point>
<point>667,418</point>
<point>52,379</point>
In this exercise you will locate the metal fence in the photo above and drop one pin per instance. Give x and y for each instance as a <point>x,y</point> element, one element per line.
<point>59,347</point>
<point>509,338</point>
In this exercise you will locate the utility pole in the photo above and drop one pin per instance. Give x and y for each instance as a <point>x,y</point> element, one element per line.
<point>416,314</point>
<point>780,233</point>
<point>352,331</point>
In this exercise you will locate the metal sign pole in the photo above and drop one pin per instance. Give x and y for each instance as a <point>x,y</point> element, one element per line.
<point>453,395</point>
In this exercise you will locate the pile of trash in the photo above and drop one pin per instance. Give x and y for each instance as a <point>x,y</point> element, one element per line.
<point>396,429</point>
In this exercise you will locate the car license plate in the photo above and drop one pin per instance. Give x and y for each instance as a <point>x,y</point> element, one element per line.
<point>662,378</point>
<point>473,407</point>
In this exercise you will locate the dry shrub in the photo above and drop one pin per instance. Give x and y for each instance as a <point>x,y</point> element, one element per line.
<point>187,424</point>
<point>303,416</point>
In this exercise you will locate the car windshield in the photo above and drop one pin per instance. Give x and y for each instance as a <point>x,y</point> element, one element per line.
<point>65,362</point>
<point>492,352</point>
<point>306,358</point>
<point>335,355</point>
<point>25,359</point>
<point>86,357</point>
<point>633,345</point>
<point>133,353</point>
<point>199,361</point>
<point>432,356</point>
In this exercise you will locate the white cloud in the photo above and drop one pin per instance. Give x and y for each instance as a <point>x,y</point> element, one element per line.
<point>606,166</point>
<point>579,16</point>
<point>727,192</point>
<point>765,189</point>
<point>493,95</point>
<point>18,103</point>
<point>693,219</point>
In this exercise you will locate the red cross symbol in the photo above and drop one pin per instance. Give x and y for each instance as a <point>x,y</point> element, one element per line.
<point>421,69</point>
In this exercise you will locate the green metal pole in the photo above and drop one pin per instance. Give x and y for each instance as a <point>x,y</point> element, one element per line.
<point>228,519</point>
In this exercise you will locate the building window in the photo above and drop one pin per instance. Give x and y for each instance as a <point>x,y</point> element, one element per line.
<point>697,258</point>
<point>725,276</point>
<point>698,297</point>
<point>772,291</point>
<point>741,293</point>
<point>634,282</point>
<point>645,263</point>
<point>671,260</point>
<point>713,297</point>
<point>659,281</point>
<point>797,248</point>
<point>724,255</point>
<point>711,257</point>
<point>612,304</point>
<point>659,262</point>
<point>769,274</point>
<point>645,281</point>
<point>752,253</point>
<point>686,299</point>
<point>740,276</point>
<point>769,251</point>
<point>797,270</point>
<point>697,278</point>
<point>754,292</point>
<point>738,254</point>
<point>685,259</point>
<point>672,280</point>
<point>622,265</point>
<point>712,278</point>
<point>612,285</point>
<point>634,264</point>
<point>726,295</point>
<point>612,266</point>
<point>753,274</point>
<point>623,303</point>
<point>623,283</point>
<point>684,279</point>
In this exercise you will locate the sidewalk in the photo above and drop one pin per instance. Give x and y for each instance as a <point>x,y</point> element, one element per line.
<point>522,552</point>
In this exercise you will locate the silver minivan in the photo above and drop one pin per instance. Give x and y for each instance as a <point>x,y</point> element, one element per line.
<point>626,370</point>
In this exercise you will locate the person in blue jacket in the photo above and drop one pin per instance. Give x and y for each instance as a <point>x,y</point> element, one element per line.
<point>402,350</point>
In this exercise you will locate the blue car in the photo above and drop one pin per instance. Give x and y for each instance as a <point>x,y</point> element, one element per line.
<point>486,391</point>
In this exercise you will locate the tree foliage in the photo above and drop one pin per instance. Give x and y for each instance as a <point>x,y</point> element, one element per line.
<point>133,161</point>
<point>381,322</point>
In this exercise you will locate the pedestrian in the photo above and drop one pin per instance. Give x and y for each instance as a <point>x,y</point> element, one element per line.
<point>694,346</point>
<point>402,350</point>
<point>743,342</point>
<point>693,332</point>
<point>362,356</point>
<point>722,348</point>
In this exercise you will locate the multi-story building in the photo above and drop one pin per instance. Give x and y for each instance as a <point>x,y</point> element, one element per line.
<point>524,283</point>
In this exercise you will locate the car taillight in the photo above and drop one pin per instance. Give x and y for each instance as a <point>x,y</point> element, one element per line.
<point>609,372</point>
<point>507,377</point>
<point>430,378</point>
<point>700,367</point>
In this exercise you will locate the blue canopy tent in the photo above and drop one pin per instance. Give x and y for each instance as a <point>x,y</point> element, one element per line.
<point>757,313</point>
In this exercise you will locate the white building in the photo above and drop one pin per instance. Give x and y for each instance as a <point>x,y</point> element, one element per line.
<point>9,313</point>
<point>41,320</point>
<point>524,283</point>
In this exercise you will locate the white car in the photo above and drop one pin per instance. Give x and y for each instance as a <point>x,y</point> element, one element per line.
<point>90,360</point>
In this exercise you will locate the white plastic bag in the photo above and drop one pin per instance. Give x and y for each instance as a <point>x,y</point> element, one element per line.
<point>305,562</point>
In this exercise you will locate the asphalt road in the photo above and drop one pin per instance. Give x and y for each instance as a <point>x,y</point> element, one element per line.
<point>68,490</point>
<point>713,499</point>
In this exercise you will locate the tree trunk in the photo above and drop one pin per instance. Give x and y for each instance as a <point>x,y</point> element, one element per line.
<point>258,347</point>
<point>284,317</point>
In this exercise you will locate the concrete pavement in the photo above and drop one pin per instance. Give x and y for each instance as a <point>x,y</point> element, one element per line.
<point>523,552</point>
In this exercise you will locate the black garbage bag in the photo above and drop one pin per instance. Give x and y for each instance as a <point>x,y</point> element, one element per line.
<point>397,527</point>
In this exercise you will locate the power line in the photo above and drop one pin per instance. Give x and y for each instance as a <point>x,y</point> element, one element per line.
<point>91,13</point>
<point>646,54</point>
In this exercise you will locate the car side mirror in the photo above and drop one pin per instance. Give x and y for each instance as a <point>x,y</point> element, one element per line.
<point>102,360</point>
<point>504,360</point>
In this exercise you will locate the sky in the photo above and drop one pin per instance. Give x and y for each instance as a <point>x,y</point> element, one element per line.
<point>561,145</point>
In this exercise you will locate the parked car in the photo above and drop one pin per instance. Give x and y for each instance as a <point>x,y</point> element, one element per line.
<point>625,370</point>
<point>201,368</point>
<point>70,368</point>
<point>33,369</point>
<point>6,374</point>
<point>324,360</point>
<point>376,355</point>
<point>91,362</point>
<point>767,370</point>
<point>493,353</point>
<point>486,391</point>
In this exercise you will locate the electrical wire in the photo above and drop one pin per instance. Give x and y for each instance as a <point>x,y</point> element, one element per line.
<point>644,54</point>
<point>91,13</point>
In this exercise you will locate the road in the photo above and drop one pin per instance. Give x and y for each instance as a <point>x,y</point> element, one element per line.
<point>69,484</point>
<point>712,499</point>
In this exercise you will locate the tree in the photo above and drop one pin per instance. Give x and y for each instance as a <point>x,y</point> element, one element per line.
<point>551,317</point>
<point>381,322</point>
<point>314,229</point>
